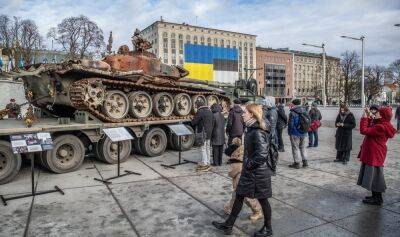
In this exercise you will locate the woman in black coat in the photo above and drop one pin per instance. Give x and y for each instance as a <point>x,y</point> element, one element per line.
<point>345,123</point>
<point>255,180</point>
<point>218,134</point>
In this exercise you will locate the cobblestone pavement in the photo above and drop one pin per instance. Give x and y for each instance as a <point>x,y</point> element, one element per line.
<point>322,200</point>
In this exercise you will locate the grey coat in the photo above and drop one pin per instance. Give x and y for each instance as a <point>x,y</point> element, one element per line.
<point>218,133</point>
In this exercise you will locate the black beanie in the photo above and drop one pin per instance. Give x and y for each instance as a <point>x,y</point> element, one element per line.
<point>296,102</point>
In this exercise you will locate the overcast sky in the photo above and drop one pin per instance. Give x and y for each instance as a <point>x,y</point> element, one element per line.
<point>277,23</point>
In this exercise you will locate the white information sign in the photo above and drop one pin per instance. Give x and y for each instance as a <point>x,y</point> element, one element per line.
<point>180,129</point>
<point>117,134</point>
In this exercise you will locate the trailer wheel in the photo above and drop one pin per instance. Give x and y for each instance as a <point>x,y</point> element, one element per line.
<point>67,155</point>
<point>10,163</point>
<point>136,146</point>
<point>107,150</point>
<point>153,142</point>
<point>187,141</point>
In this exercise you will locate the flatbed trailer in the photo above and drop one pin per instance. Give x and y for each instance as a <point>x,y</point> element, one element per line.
<point>73,138</point>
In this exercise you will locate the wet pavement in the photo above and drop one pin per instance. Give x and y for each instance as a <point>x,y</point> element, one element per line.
<point>322,200</point>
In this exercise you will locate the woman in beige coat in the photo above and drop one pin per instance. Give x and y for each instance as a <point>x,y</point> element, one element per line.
<point>235,170</point>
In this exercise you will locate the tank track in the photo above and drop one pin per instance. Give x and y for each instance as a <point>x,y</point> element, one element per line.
<point>77,97</point>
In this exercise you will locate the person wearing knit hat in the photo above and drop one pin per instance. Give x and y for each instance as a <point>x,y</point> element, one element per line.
<point>373,153</point>
<point>297,136</point>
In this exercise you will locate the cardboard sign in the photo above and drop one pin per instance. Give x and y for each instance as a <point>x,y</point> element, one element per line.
<point>117,134</point>
<point>33,142</point>
<point>180,129</point>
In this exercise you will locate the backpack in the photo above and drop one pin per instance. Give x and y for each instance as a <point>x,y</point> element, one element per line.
<point>304,122</point>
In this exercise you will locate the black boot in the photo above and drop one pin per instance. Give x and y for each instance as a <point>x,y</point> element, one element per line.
<point>305,164</point>
<point>227,229</point>
<point>376,199</point>
<point>295,165</point>
<point>263,232</point>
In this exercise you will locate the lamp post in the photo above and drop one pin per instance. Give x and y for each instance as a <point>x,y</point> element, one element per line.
<point>323,70</point>
<point>362,66</point>
<point>398,25</point>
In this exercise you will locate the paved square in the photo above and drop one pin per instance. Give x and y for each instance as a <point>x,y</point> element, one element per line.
<point>322,200</point>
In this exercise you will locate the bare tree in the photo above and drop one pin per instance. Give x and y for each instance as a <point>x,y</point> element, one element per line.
<point>78,35</point>
<point>375,76</point>
<point>394,71</point>
<point>19,37</point>
<point>350,66</point>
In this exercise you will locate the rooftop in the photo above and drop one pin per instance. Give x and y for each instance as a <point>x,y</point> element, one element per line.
<point>198,27</point>
<point>295,52</point>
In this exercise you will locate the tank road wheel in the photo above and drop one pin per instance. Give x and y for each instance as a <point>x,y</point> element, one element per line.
<point>108,150</point>
<point>140,104</point>
<point>183,104</point>
<point>116,104</point>
<point>67,155</point>
<point>225,104</point>
<point>153,142</point>
<point>163,104</point>
<point>95,93</point>
<point>10,163</point>
<point>212,99</point>
<point>197,98</point>
<point>187,141</point>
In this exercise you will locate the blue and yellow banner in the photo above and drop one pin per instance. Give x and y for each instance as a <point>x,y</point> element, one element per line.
<point>211,63</point>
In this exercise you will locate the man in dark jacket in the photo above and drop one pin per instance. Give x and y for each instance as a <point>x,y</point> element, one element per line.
<point>235,125</point>
<point>218,135</point>
<point>397,116</point>
<point>271,117</point>
<point>297,138</point>
<point>203,122</point>
<point>316,117</point>
<point>280,125</point>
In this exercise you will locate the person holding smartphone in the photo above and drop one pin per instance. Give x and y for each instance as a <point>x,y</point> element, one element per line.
<point>373,152</point>
<point>345,123</point>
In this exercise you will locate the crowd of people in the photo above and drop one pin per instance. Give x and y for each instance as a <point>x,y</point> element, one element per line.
<point>253,130</point>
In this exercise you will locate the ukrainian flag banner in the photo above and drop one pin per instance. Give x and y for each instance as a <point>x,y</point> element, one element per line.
<point>211,63</point>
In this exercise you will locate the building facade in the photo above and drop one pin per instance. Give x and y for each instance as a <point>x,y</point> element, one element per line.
<point>275,74</point>
<point>308,76</point>
<point>208,54</point>
<point>287,74</point>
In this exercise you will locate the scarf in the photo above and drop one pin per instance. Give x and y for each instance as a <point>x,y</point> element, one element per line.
<point>343,116</point>
<point>250,122</point>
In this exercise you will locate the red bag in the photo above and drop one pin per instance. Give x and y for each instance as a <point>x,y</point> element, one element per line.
<point>314,125</point>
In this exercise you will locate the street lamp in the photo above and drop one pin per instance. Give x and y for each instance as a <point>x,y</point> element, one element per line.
<point>323,69</point>
<point>362,66</point>
<point>398,25</point>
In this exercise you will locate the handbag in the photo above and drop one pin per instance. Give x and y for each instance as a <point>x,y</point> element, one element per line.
<point>199,138</point>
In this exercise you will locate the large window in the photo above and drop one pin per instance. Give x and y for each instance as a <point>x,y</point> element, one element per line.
<point>275,80</point>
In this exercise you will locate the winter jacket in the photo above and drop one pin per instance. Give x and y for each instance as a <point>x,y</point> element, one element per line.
<point>255,179</point>
<point>397,115</point>
<point>235,125</point>
<point>282,118</point>
<point>344,134</point>
<point>373,149</point>
<point>294,121</point>
<point>218,132</point>
<point>271,118</point>
<point>204,120</point>
<point>315,114</point>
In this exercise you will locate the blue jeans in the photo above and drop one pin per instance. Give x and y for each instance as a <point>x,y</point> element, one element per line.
<point>313,138</point>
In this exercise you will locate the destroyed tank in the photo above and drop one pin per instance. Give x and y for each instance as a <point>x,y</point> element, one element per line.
<point>129,86</point>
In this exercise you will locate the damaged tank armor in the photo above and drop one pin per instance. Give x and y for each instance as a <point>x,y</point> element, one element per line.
<point>124,87</point>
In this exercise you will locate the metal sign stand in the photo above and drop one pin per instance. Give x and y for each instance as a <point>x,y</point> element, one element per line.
<point>127,172</point>
<point>179,134</point>
<point>33,192</point>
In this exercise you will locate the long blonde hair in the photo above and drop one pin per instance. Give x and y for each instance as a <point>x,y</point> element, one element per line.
<point>257,112</point>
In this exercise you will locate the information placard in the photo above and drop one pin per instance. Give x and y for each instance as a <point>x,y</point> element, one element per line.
<point>117,134</point>
<point>180,129</point>
<point>33,142</point>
